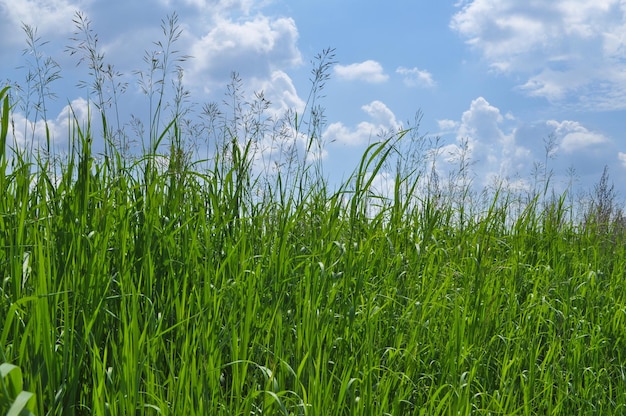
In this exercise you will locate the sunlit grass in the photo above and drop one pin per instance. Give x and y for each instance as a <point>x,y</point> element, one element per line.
<point>129,288</point>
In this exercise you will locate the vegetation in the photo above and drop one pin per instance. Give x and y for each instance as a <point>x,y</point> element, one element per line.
<point>156,284</point>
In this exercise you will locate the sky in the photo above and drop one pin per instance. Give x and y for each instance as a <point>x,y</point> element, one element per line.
<point>518,85</point>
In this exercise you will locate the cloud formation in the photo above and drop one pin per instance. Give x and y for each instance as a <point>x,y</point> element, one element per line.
<point>50,17</point>
<point>565,49</point>
<point>367,71</point>
<point>415,77</point>
<point>32,134</point>
<point>503,149</point>
<point>490,143</point>
<point>382,119</point>
<point>254,47</point>
<point>281,92</point>
<point>574,137</point>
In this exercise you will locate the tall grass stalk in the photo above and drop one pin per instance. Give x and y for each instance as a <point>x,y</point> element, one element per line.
<point>181,290</point>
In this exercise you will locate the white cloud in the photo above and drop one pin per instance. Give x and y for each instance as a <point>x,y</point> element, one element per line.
<point>77,110</point>
<point>503,149</point>
<point>447,125</point>
<point>29,132</point>
<point>382,117</point>
<point>338,132</point>
<point>281,92</point>
<point>217,6</point>
<point>50,17</point>
<point>481,121</point>
<point>484,140</point>
<point>274,152</point>
<point>415,77</point>
<point>255,48</point>
<point>575,137</point>
<point>223,37</point>
<point>368,71</point>
<point>565,49</point>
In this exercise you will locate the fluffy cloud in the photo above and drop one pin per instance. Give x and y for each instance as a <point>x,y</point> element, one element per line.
<point>368,71</point>
<point>485,140</point>
<point>447,125</point>
<point>566,49</point>
<point>259,49</point>
<point>381,115</point>
<point>501,148</point>
<point>382,119</point>
<point>482,120</point>
<point>575,137</point>
<point>281,92</point>
<point>50,17</point>
<point>255,48</point>
<point>33,133</point>
<point>482,125</point>
<point>415,77</point>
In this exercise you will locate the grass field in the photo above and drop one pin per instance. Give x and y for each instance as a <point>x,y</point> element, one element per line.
<point>130,285</point>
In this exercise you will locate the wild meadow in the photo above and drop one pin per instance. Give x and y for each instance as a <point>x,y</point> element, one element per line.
<point>155,282</point>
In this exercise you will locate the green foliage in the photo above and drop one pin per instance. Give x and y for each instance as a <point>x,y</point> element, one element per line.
<point>4,124</point>
<point>130,286</point>
<point>13,400</point>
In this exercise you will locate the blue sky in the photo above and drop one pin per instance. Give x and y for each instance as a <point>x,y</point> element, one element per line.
<point>501,75</point>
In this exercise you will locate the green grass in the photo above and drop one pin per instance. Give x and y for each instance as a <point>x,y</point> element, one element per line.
<point>132,289</point>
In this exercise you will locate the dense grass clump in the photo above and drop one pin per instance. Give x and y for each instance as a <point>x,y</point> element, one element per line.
<point>130,286</point>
